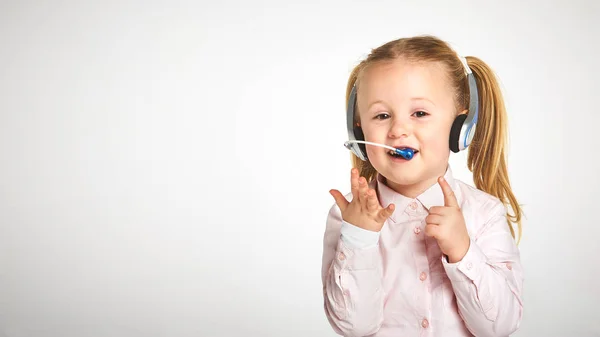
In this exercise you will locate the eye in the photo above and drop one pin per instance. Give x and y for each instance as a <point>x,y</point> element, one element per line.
<point>420,114</point>
<point>382,116</point>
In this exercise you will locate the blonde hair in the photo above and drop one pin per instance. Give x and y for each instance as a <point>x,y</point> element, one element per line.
<point>487,152</point>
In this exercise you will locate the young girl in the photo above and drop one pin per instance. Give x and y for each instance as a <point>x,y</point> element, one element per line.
<point>411,251</point>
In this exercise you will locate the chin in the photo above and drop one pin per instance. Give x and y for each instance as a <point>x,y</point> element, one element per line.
<point>408,173</point>
<point>400,178</point>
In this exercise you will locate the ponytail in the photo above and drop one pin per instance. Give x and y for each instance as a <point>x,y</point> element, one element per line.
<point>487,152</point>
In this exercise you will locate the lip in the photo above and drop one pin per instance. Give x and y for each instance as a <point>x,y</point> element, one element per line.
<point>404,147</point>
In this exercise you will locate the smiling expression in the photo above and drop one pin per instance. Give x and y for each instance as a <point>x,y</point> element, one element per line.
<point>407,104</point>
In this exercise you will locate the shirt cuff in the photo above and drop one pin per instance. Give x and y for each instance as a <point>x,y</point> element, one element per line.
<point>359,238</point>
<point>467,269</point>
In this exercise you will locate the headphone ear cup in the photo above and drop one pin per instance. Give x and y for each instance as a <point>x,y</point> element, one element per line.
<point>455,132</point>
<point>359,135</point>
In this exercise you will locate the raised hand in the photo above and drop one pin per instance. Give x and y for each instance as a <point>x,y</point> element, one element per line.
<point>447,225</point>
<point>364,210</point>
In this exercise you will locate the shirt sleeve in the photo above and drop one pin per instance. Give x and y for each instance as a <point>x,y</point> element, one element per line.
<point>352,275</point>
<point>356,237</point>
<point>488,281</point>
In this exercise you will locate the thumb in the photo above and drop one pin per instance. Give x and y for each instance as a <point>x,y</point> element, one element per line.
<point>386,212</point>
<point>340,200</point>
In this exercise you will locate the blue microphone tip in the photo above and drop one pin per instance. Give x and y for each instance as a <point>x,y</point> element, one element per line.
<point>406,153</point>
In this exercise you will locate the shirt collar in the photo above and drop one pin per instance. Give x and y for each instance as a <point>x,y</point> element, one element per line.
<point>433,196</point>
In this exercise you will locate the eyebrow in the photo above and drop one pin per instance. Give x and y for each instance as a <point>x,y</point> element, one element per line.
<point>422,99</point>
<point>373,103</point>
<point>412,99</point>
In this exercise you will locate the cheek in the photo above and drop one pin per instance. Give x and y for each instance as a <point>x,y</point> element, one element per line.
<point>375,151</point>
<point>436,140</point>
<point>374,134</point>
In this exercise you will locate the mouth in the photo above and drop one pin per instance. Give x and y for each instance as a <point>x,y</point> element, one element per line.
<point>396,155</point>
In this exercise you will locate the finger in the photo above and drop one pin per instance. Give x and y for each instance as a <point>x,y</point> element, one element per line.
<point>434,219</point>
<point>386,213</point>
<point>449,197</point>
<point>432,230</point>
<point>439,210</point>
<point>362,192</point>
<point>354,182</point>
<point>340,200</point>
<point>372,203</point>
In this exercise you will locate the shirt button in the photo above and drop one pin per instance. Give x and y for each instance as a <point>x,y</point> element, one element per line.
<point>509,266</point>
<point>413,205</point>
<point>423,276</point>
<point>469,266</point>
<point>417,230</point>
<point>342,257</point>
<point>425,323</point>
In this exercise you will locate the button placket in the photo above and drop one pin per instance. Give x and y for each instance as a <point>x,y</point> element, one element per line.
<point>413,208</point>
<point>413,211</point>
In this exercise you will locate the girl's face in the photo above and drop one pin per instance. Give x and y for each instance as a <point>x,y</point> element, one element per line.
<point>403,104</point>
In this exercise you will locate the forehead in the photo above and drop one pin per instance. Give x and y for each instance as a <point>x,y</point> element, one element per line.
<point>399,80</point>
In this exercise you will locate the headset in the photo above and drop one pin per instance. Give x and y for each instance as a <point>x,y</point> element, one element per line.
<point>461,133</point>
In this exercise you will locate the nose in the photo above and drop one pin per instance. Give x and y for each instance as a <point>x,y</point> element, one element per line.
<point>399,128</point>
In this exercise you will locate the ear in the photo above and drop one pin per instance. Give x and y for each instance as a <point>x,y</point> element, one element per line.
<point>463,112</point>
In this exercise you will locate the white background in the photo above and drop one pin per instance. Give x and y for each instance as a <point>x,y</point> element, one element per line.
<point>165,166</point>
